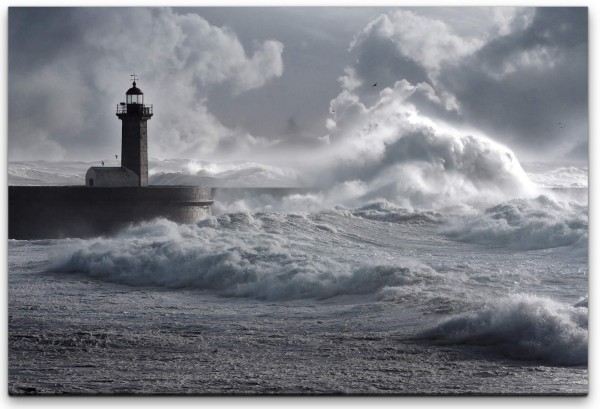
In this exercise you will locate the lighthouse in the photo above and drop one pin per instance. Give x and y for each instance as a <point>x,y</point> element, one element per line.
<point>133,171</point>
<point>134,144</point>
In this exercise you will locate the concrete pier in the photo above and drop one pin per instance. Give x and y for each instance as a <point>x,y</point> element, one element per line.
<point>43,212</point>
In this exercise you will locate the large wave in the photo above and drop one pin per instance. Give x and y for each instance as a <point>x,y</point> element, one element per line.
<point>525,224</point>
<point>522,327</point>
<point>238,255</point>
<point>426,169</point>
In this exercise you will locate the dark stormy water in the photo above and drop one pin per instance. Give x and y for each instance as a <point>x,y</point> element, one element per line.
<point>375,298</point>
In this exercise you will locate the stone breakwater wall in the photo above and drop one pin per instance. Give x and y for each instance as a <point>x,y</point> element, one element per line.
<point>42,212</point>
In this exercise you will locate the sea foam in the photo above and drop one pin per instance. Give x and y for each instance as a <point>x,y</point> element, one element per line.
<point>522,327</point>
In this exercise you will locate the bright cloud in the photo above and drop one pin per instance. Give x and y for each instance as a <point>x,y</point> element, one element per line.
<point>428,42</point>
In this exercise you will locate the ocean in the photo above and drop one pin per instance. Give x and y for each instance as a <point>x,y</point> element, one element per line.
<point>307,294</point>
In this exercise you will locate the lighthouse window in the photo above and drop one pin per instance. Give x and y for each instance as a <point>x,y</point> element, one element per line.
<point>135,99</point>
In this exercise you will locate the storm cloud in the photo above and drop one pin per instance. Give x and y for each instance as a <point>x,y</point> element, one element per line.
<point>523,82</point>
<point>530,87</point>
<point>244,82</point>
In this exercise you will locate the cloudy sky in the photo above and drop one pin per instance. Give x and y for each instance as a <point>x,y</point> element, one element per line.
<point>286,83</point>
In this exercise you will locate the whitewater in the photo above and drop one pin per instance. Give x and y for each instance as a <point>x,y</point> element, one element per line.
<point>294,294</point>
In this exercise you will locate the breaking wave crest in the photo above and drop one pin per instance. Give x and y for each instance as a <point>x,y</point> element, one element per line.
<point>524,224</point>
<point>522,327</point>
<point>235,255</point>
<point>384,211</point>
<point>433,170</point>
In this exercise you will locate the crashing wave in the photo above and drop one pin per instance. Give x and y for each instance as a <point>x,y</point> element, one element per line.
<point>524,224</point>
<point>234,255</point>
<point>522,327</point>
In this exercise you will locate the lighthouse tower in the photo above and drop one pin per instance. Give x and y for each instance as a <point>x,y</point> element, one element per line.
<point>134,145</point>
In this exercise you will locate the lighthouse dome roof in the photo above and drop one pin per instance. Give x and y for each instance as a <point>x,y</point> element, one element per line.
<point>134,91</point>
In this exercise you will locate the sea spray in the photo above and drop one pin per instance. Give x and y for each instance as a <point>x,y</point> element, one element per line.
<point>550,176</point>
<point>414,161</point>
<point>386,151</point>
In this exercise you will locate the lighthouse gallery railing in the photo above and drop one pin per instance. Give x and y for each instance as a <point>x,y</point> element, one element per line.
<point>145,109</point>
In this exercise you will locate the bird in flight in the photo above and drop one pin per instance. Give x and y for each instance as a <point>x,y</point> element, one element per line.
<point>116,156</point>
<point>374,85</point>
<point>102,163</point>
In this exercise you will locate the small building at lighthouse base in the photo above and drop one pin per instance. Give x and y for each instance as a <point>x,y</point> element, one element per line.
<point>97,176</point>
